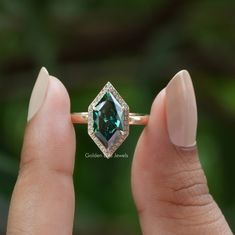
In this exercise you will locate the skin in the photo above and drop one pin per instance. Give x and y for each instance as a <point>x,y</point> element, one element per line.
<point>168,183</point>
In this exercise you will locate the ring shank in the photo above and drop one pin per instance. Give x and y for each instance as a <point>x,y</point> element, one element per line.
<point>138,119</point>
<point>81,117</point>
<point>134,118</point>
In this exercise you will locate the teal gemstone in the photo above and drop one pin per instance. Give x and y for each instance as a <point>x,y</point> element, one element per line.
<point>108,120</point>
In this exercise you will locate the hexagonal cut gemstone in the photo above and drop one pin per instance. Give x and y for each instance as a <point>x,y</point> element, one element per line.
<point>108,120</point>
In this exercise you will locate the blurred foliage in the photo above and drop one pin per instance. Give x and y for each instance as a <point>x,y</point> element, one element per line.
<point>138,45</point>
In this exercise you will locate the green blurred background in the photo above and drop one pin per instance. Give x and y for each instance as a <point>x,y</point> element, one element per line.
<point>138,45</point>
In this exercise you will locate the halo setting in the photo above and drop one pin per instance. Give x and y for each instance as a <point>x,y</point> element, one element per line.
<point>108,120</point>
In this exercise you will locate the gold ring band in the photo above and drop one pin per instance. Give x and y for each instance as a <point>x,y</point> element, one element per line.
<point>134,118</point>
<point>108,120</point>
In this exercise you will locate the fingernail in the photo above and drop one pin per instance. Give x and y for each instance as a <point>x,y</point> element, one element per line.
<point>181,110</point>
<point>38,94</point>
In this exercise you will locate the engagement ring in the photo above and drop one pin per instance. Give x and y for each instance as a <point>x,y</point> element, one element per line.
<point>108,120</point>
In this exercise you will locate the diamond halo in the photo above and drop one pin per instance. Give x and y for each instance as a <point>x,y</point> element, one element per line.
<point>108,151</point>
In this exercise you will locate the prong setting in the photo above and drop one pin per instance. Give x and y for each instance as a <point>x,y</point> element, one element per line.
<point>122,134</point>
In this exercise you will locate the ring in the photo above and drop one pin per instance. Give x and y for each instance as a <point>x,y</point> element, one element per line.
<point>134,118</point>
<point>108,119</point>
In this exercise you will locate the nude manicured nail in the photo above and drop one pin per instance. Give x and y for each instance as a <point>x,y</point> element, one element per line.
<point>38,93</point>
<point>181,110</point>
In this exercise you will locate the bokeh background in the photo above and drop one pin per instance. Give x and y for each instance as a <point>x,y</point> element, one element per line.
<point>138,45</point>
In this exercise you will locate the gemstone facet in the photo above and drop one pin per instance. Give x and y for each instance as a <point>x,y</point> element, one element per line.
<point>108,120</point>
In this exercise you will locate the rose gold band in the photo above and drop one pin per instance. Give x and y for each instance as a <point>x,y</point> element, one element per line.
<point>138,119</point>
<point>134,118</point>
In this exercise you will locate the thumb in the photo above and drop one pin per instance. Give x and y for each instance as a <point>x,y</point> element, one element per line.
<point>43,197</point>
<point>168,183</point>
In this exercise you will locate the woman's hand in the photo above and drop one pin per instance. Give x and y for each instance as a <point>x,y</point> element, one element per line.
<point>168,183</point>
